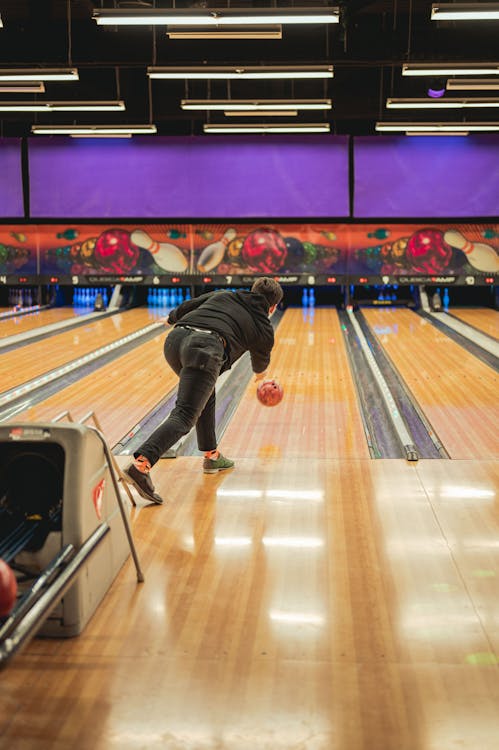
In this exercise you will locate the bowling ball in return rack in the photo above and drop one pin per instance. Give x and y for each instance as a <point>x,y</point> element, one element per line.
<point>270,392</point>
<point>8,589</point>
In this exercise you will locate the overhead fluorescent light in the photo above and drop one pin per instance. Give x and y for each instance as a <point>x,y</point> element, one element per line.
<point>472,84</point>
<point>241,72</point>
<point>450,69</point>
<point>62,106</point>
<point>322,127</point>
<point>447,103</point>
<point>437,127</point>
<point>214,16</point>
<point>464,11</point>
<point>93,130</point>
<point>38,74</point>
<point>33,87</point>
<point>1,22</point>
<point>436,133</point>
<point>254,104</point>
<point>100,135</point>
<point>261,113</point>
<point>225,32</point>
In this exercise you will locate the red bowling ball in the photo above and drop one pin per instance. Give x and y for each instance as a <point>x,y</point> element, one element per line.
<point>270,392</point>
<point>8,589</point>
<point>264,251</point>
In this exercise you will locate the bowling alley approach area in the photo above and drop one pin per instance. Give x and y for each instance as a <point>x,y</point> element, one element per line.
<point>337,589</point>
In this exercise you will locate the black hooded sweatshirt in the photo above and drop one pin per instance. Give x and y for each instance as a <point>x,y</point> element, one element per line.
<point>241,318</point>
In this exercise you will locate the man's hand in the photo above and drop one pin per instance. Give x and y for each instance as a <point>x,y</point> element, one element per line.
<point>260,376</point>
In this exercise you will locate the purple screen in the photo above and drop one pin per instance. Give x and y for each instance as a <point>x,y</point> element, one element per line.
<point>11,189</point>
<point>426,177</point>
<point>264,176</point>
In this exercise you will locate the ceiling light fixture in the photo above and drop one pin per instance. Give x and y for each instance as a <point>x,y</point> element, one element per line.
<point>435,133</point>
<point>214,16</point>
<point>93,130</point>
<point>62,106</point>
<point>38,74</point>
<point>436,88</point>
<point>225,32</point>
<point>464,11</point>
<point>254,105</point>
<point>447,103</point>
<point>100,135</point>
<point>450,69</point>
<point>1,22</point>
<point>261,113</point>
<point>438,127</point>
<point>33,87</point>
<point>240,72</point>
<point>323,127</point>
<point>472,84</point>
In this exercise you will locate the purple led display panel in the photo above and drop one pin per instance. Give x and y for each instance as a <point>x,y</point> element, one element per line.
<point>218,177</point>
<point>439,176</point>
<point>11,189</point>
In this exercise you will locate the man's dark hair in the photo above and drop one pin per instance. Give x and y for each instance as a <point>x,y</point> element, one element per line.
<point>270,288</point>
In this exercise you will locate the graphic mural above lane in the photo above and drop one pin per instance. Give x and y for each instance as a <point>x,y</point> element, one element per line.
<point>250,249</point>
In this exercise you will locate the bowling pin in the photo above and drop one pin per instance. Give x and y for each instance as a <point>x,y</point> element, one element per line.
<point>166,256</point>
<point>481,256</point>
<point>446,299</point>
<point>213,254</point>
<point>304,298</point>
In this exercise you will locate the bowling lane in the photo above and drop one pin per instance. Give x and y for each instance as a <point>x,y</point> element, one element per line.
<point>484,319</point>
<point>22,323</point>
<point>292,603</point>
<point>18,366</point>
<point>120,393</point>
<point>456,391</point>
<point>319,415</point>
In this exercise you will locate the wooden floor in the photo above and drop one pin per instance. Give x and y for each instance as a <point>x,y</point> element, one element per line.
<point>457,392</point>
<point>484,319</point>
<point>30,321</point>
<point>310,599</point>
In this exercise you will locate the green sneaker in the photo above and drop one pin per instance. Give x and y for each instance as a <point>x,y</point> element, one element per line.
<point>212,465</point>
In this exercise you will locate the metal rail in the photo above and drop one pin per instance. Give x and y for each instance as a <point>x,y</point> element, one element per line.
<point>400,428</point>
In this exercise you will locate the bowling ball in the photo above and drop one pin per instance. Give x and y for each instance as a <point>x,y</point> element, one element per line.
<point>8,589</point>
<point>296,253</point>
<point>427,251</point>
<point>115,252</point>
<point>234,248</point>
<point>264,251</point>
<point>310,252</point>
<point>270,392</point>
<point>88,248</point>
<point>399,249</point>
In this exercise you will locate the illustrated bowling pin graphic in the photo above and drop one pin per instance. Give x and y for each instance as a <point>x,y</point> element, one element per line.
<point>167,256</point>
<point>481,256</point>
<point>213,254</point>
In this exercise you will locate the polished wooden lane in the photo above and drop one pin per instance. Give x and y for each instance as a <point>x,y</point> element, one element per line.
<point>483,318</point>
<point>344,604</point>
<point>456,391</point>
<point>120,393</point>
<point>320,414</point>
<point>17,367</point>
<point>29,322</point>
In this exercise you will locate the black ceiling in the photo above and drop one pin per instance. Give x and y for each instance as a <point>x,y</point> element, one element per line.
<point>368,48</point>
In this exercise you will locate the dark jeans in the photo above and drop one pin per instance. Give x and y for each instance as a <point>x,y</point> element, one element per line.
<point>197,358</point>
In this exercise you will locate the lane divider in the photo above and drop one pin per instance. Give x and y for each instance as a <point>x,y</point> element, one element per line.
<point>59,372</point>
<point>399,425</point>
